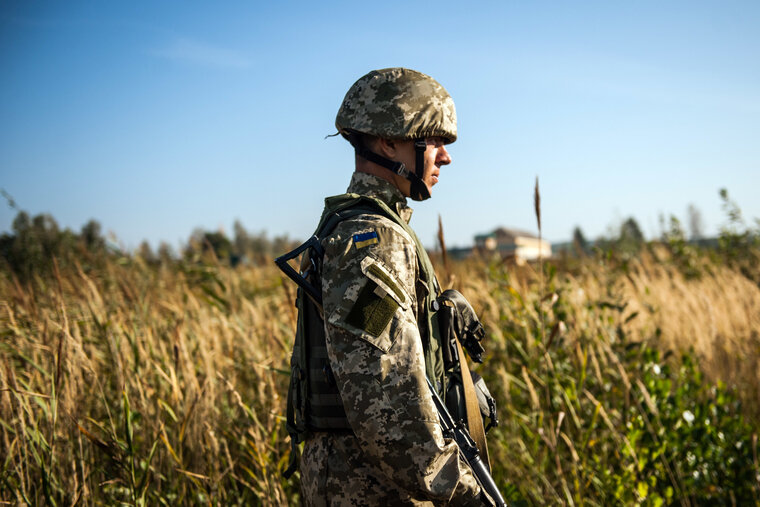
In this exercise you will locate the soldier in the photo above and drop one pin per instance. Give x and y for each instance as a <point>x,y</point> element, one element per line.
<point>371,431</point>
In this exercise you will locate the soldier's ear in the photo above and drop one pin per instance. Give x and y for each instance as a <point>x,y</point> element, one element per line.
<point>386,147</point>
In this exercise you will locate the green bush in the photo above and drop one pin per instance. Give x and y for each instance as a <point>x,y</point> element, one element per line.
<point>591,417</point>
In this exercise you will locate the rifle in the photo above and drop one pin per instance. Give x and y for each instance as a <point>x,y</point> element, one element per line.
<point>467,448</point>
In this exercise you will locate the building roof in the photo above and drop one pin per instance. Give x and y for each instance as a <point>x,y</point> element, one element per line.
<point>504,232</point>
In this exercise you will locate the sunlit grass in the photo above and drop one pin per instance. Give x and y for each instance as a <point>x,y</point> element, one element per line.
<point>165,384</point>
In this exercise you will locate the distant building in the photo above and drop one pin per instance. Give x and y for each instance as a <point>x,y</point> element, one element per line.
<point>522,245</point>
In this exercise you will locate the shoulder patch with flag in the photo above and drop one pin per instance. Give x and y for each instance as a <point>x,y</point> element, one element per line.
<point>365,239</point>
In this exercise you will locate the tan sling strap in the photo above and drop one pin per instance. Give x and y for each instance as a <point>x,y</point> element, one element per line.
<point>474,419</point>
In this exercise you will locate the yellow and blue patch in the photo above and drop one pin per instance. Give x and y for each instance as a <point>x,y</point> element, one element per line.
<point>365,239</point>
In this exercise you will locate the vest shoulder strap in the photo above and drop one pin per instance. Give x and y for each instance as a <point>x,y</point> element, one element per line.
<point>334,218</point>
<point>342,204</point>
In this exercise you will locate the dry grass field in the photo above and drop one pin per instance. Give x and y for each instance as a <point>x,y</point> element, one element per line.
<point>164,384</point>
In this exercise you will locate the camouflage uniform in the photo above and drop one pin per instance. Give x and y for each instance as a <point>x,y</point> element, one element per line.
<point>396,454</point>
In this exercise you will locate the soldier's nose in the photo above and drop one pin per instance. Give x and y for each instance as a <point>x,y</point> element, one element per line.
<point>443,157</point>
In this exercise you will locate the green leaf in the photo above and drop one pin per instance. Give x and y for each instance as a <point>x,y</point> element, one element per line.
<point>642,488</point>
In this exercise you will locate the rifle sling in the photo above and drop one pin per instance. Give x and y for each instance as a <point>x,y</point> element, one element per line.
<point>474,419</point>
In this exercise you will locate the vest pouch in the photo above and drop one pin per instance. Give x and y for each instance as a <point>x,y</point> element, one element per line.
<point>323,407</point>
<point>455,401</point>
<point>297,391</point>
<point>446,316</point>
<point>295,422</point>
<point>454,396</point>
<point>486,402</point>
<point>464,324</point>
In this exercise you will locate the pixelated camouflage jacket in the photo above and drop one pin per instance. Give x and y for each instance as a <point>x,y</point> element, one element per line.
<point>397,453</point>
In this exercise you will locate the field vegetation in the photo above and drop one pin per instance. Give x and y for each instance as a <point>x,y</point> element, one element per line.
<point>626,374</point>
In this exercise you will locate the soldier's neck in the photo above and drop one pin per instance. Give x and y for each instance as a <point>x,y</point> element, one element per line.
<point>401,183</point>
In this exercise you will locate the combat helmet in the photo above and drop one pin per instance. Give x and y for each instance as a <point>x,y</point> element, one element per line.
<point>398,104</point>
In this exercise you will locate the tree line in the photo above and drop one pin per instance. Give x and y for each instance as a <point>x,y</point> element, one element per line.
<point>37,246</point>
<point>737,244</point>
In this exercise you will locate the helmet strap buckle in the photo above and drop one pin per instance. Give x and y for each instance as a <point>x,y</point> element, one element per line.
<point>418,189</point>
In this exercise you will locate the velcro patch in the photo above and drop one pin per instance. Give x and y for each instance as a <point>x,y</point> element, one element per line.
<point>365,239</point>
<point>382,276</point>
<point>379,273</point>
<point>371,312</point>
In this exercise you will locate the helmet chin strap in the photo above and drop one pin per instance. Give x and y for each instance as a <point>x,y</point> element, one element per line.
<point>418,190</point>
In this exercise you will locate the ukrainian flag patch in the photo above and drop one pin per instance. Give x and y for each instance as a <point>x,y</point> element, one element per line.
<point>365,239</point>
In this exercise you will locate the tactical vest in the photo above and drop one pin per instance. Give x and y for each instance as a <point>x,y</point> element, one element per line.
<point>314,403</point>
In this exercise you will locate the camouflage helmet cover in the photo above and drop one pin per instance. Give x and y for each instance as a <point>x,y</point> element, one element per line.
<point>399,104</point>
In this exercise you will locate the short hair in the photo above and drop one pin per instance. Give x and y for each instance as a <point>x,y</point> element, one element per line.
<point>361,140</point>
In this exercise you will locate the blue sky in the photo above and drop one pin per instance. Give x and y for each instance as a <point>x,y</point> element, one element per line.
<point>159,117</point>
